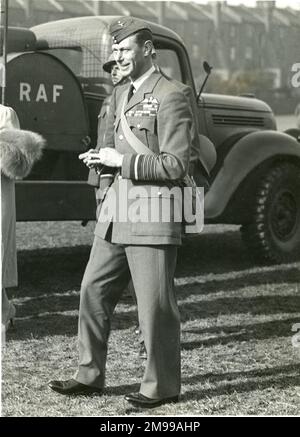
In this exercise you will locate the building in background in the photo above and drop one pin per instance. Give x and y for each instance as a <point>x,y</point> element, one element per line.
<point>251,49</point>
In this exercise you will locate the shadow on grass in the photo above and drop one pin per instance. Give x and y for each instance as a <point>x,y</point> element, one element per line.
<point>36,327</point>
<point>289,275</point>
<point>260,379</point>
<point>50,324</point>
<point>61,269</point>
<point>262,305</point>
<point>53,324</point>
<point>46,301</point>
<point>212,253</point>
<point>50,279</point>
<point>51,270</point>
<point>228,334</point>
<point>227,383</point>
<point>274,377</point>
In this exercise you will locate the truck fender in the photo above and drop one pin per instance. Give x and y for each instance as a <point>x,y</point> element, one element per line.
<point>293,132</point>
<point>249,152</point>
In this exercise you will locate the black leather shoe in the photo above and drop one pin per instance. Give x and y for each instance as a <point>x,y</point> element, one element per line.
<point>141,401</point>
<point>72,387</point>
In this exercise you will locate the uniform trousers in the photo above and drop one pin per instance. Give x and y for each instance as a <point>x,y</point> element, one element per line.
<point>152,270</point>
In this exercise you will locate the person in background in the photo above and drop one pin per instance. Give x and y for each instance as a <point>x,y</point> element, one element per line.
<point>94,178</point>
<point>19,151</point>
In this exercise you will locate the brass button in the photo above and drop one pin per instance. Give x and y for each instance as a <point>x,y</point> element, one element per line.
<point>121,137</point>
<point>138,125</point>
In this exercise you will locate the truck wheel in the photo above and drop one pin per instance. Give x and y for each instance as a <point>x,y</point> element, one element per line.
<point>274,232</point>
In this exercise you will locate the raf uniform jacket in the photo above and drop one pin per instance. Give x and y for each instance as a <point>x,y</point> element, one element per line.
<point>159,115</point>
<point>198,166</point>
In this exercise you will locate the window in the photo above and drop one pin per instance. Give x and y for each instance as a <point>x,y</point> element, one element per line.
<point>195,51</point>
<point>232,31</point>
<point>196,27</point>
<point>169,63</point>
<point>249,52</point>
<point>250,30</point>
<point>281,33</point>
<point>232,53</point>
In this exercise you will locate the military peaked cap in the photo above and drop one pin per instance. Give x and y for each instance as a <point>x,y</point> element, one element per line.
<point>126,26</point>
<point>107,66</point>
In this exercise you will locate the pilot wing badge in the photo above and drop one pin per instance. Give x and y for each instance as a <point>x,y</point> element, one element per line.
<point>150,106</point>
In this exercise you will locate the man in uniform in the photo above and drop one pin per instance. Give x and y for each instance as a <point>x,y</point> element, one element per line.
<point>203,153</point>
<point>158,114</point>
<point>101,178</point>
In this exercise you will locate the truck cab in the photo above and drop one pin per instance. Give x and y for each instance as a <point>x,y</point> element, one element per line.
<point>57,85</point>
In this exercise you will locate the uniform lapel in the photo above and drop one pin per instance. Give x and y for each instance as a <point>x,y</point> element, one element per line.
<point>121,98</point>
<point>145,88</point>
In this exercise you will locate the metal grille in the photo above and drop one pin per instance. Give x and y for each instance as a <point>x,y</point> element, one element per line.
<point>237,120</point>
<point>91,34</point>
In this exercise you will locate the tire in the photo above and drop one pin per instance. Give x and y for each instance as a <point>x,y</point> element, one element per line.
<point>273,234</point>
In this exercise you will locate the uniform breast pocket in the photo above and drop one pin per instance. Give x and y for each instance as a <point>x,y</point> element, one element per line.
<point>147,124</point>
<point>142,123</point>
<point>145,129</point>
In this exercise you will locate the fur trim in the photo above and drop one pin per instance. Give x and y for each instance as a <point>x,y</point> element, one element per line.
<point>19,149</point>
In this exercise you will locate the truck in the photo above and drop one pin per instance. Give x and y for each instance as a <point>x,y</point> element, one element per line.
<point>56,84</point>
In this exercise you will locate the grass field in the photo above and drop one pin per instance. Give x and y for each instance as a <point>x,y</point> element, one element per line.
<point>237,318</point>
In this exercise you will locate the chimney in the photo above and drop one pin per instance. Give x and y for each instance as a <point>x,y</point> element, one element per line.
<point>267,9</point>
<point>216,7</point>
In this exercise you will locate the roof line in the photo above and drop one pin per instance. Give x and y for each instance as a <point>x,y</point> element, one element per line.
<point>282,18</point>
<point>232,13</point>
<point>58,6</point>
<point>176,8</point>
<point>90,8</point>
<point>121,8</point>
<point>149,8</point>
<point>22,4</point>
<point>205,13</point>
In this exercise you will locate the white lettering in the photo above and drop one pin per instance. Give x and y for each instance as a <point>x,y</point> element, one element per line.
<point>196,425</point>
<point>193,209</point>
<point>25,89</point>
<point>56,92</point>
<point>120,427</point>
<point>296,77</point>
<point>138,209</point>
<point>108,209</point>
<point>163,205</point>
<point>41,94</point>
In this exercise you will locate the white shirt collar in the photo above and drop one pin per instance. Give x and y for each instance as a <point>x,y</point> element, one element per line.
<point>138,82</point>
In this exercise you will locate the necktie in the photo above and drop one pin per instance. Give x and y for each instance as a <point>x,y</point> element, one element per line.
<point>130,92</point>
